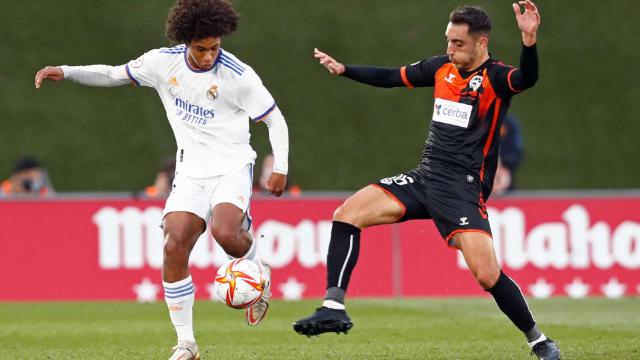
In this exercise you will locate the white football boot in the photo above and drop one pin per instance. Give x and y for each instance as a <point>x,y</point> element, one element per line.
<point>256,312</point>
<point>185,350</point>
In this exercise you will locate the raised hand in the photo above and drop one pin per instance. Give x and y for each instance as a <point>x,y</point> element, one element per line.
<point>49,72</point>
<point>528,21</point>
<point>328,62</point>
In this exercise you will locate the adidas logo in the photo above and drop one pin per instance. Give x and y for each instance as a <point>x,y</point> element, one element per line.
<point>173,81</point>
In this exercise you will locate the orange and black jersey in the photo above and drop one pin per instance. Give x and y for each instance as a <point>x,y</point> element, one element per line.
<point>469,107</point>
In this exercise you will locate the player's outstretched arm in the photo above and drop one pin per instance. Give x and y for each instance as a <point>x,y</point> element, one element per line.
<point>92,75</point>
<point>328,62</point>
<point>513,81</point>
<point>370,75</point>
<point>528,21</point>
<point>48,72</point>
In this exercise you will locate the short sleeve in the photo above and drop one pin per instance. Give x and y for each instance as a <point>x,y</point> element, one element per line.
<point>142,71</point>
<point>422,73</point>
<point>253,97</point>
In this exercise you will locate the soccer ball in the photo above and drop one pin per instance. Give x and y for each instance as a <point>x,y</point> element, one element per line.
<point>239,283</point>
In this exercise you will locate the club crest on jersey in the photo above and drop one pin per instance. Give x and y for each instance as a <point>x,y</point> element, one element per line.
<point>212,93</point>
<point>475,82</point>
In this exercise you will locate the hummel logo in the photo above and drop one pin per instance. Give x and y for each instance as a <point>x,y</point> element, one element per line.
<point>173,81</point>
<point>450,78</point>
<point>464,221</point>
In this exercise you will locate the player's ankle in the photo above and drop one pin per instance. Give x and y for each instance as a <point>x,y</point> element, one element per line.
<point>332,304</point>
<point>538,340</point>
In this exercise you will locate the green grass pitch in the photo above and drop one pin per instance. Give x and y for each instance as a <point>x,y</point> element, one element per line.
<point>458,328</point>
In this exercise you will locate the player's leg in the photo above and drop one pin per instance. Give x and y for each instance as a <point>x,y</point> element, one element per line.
<point>230,227</point>
<point>237,242</point>
<point>226,228</point>
<point>183,222</point>
<point>181,231</point>
<point>370,206</point>
<point>477,249</point>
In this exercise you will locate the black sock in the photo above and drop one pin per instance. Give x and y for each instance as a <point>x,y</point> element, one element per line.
<point>344,248</point>
<point>510,300</point>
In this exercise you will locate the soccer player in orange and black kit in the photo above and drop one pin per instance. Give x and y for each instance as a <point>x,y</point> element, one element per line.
<point>455,177</point>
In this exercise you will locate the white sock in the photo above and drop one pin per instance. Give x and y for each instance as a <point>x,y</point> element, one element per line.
<point>333,305</point>
<point>252,253</point>
<point>538,340</point>
<point>179,297</point>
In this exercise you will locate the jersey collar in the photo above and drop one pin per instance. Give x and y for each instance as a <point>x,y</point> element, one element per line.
<point>186,61</point>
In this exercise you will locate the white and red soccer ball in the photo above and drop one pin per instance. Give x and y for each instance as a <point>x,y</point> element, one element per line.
<point>239,283</point>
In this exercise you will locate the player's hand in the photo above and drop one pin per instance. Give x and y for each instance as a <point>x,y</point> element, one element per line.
<point>528,21</point>
<point>328,62</point>
<point>49,72</point>
<point>276,183</point>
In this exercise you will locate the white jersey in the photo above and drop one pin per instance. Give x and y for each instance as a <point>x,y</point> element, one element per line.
<point>209,110</point>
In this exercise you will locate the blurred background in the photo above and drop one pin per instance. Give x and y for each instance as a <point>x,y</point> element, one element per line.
<point>575,250</point>
<point>579,123</point>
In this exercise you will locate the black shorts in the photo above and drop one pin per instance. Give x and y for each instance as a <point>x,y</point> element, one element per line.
<point>453,201</point>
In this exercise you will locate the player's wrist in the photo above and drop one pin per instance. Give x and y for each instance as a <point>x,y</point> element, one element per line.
<point>64,69</point>
<point>529,39</point>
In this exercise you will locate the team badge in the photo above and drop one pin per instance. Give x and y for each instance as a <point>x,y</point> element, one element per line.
<point>475,82</point>
<point>212,93</point>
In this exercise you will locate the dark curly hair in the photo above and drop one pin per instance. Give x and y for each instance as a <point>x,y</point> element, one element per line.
<point>192,20</point>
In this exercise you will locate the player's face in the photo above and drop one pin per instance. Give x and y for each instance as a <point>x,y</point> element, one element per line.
<point>203,53</point>
<point>464,50</point>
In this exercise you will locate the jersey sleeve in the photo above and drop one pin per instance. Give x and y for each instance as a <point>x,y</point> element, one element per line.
<point>422,73</point>
<point>253,97</point>
<point>508,80</point>
<point>374,76</point>
<point>143,70</point>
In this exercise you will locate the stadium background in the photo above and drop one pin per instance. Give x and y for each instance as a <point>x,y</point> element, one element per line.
<point>580,122</point>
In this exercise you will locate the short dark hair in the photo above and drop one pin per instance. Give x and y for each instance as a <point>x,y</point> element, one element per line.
<point>27,162</point>
<point>474,16</point>
<point>192,20</point>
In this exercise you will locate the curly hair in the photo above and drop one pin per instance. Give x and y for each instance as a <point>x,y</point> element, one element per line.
<point>192,20</point>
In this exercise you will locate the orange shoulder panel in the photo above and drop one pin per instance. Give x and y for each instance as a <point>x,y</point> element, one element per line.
<point>447,83</point>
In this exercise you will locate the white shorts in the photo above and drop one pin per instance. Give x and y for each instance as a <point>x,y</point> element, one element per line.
<point>199,196</point>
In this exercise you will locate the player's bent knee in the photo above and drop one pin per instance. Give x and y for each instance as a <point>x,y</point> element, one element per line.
<point>487,278</point>
<point>228,238</point>
<point>223,235</point>
<point>173,246</point>
<point>346,215</point>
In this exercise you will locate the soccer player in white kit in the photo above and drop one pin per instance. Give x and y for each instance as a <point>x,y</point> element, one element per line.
<point>209,96</point>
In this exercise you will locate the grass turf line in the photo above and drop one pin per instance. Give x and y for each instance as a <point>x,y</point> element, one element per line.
<point>456,328</point>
